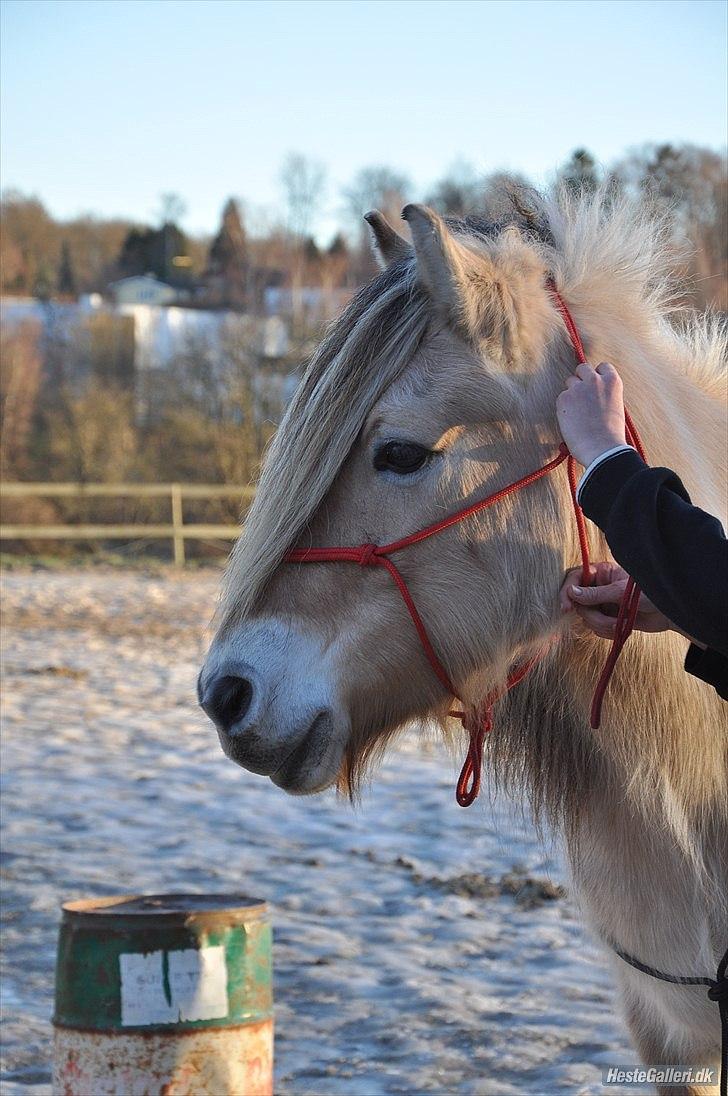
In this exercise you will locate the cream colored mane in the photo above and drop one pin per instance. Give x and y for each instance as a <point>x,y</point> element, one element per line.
<point>364,351</point>
<point>610,260</point>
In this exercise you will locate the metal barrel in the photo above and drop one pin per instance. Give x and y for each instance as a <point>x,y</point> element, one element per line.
<point>164,995</point>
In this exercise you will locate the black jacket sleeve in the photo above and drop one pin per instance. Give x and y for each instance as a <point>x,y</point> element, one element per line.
<point>676,552</point>
<point>710,666</point>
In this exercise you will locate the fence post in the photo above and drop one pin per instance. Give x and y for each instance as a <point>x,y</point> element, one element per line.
<point>178,523</point>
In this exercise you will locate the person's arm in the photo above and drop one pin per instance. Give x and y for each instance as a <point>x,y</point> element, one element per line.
<point>597,605</point>
<point>676,552</point>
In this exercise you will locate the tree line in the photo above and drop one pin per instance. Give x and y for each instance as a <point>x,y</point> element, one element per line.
<point>44,257</point>
<point>67,409</point>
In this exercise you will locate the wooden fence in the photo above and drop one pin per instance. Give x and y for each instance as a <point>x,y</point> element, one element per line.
<point>177,531</point>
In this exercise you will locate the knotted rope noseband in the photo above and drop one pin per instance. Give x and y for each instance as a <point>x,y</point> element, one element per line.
<point>479,720</point>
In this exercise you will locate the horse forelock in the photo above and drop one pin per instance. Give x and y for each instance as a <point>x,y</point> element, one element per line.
<point>364,351</point>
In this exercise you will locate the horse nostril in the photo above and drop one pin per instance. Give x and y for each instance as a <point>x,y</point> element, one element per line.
<point>228,701</point>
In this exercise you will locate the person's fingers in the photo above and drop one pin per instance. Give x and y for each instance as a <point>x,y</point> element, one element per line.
<point>607,370</point>
<point>597,622</point>
<point>584,370</point>
<point>565,602</point>
<point>611,594</point>
<point>606,572</point>
<point>617,574</point>
<point>571,381</point>
<point>601,574</point>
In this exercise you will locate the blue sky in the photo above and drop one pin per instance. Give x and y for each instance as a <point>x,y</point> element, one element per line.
<point>108,103</point>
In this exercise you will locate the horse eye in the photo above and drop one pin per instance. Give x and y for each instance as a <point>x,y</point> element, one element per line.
<point>402,457</point>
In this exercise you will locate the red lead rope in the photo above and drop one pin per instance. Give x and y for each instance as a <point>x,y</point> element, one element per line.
<point>480,720</point>
<point>629,604</point>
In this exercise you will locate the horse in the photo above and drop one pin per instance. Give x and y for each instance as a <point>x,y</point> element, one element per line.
<point>434,388</point>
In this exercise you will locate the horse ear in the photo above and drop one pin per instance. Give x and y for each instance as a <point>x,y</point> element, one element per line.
<point>494,298</point>
<point>440,262</point>
<point>389,246</point>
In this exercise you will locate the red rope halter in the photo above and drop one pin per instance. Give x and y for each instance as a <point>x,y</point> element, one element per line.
<point>479,721</point>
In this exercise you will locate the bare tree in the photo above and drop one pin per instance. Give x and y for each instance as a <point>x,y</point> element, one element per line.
<point>304,183</point>
<point>92,436</point>
<point>19,383</point>
<point>172,208</point>
<point>692,183</point>
<point>379,188</point>
<point>376,187</point>
<point>30,243</point>
<point>459,192</point>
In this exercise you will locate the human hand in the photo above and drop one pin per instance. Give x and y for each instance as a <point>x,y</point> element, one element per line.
<point>597,605</point>
<point>590,412</point>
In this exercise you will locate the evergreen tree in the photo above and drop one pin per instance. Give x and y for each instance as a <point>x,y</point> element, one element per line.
<point>43,284</point>
<point>66,276</point>
<point>155,251</point>
<point>338,245</point>
<point>170,250</point>
<point>227,265</point>
<point>311,253</point>
<point>136,255</point>
<point>580,172</point>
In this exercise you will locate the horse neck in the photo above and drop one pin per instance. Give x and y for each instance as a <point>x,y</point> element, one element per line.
<point>659,749</point>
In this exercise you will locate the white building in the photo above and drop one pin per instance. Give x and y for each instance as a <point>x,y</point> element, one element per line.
<point>160,334</point>
<point>142,289</point>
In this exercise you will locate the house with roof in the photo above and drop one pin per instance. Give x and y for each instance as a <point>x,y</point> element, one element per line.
<point>142,289</point>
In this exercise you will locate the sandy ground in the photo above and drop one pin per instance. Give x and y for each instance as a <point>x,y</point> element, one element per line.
<point>394,971</point>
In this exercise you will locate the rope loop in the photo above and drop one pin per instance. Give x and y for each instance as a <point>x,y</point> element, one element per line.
<point>477,723</point>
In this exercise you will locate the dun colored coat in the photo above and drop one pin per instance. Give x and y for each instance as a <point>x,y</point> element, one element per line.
<point>457,348</point>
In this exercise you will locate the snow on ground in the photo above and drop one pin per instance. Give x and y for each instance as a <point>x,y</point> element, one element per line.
<point>393,974</point>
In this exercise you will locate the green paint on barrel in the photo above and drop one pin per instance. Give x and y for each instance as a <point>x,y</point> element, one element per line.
<point>164,967</point>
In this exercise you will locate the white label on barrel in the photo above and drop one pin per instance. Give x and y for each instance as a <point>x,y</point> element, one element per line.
<point>164,987</point>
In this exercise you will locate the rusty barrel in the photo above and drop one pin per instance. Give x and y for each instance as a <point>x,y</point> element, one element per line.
<point>164,994</point>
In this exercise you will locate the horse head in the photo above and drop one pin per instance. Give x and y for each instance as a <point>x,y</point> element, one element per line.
<point>435,387</point>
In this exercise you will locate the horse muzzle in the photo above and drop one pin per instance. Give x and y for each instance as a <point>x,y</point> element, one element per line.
<point>269,698</point>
